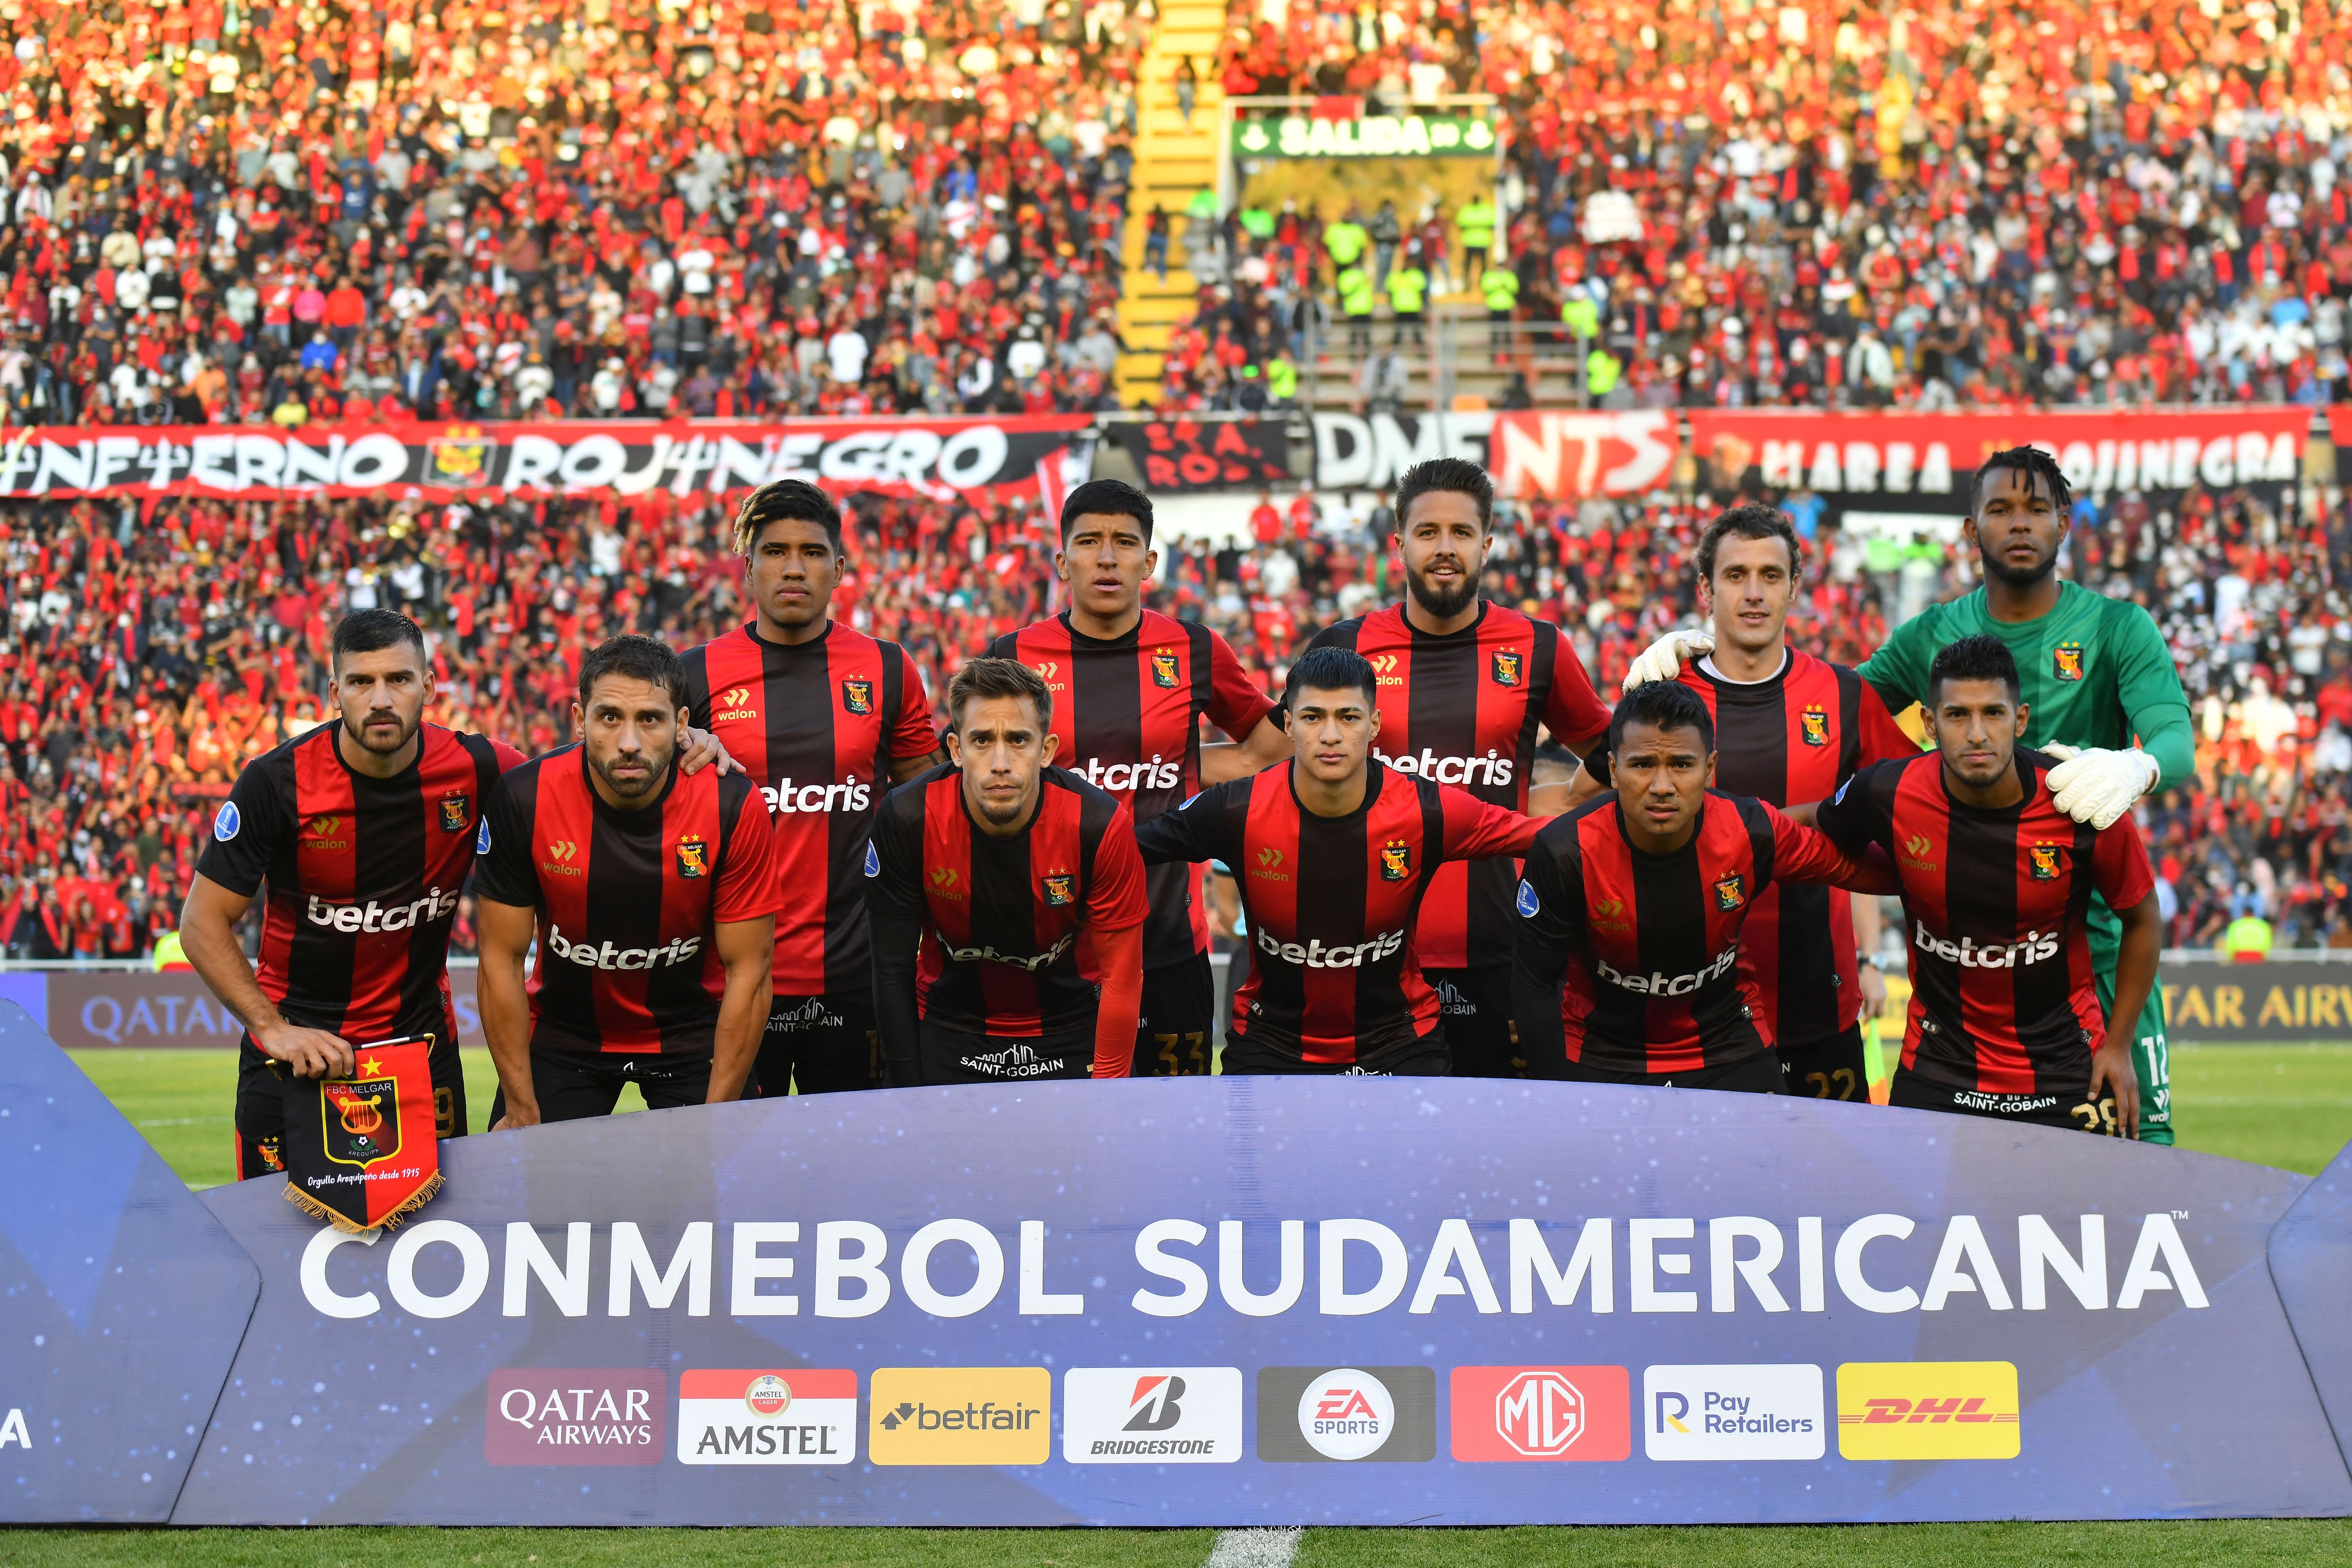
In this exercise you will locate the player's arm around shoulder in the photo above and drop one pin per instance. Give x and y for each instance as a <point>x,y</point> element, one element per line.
<point>1802,854</point>
<point>1544,937</point>
<point>1197,829</point>
<point>1479,830</point>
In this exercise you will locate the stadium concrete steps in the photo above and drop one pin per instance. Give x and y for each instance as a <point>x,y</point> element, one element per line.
<point>1174,161</point>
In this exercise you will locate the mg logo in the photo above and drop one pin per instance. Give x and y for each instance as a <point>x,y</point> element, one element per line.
<point>1539,1413</point>
<point>736,696</point>
<point>563,850</point>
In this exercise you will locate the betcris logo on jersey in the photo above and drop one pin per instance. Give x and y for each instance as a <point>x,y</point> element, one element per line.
<point>375,915</point>
<point>1659,983</point>
<point>787,799</point>
<point>1968,953</point>
<point>1754,1411</point>
<point>589,956</point>
<point>1315,955</point>
<point>1493,768</point>
<point>1151,1415</point>
<point>1159,773</point>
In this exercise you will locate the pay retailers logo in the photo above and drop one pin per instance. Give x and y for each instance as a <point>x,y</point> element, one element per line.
<point>1732,1413</point>
<point>778,1416</point>
<point>960,1416</point>
<point>1312,1413</point>
<point>1151,1415</point>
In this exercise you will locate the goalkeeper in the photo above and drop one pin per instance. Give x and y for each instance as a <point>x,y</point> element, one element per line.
<point>2096,673</point>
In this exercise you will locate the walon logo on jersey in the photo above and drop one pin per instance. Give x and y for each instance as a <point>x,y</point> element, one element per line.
<point>1913,851</point>
<point>1311,1415</point>
<point>575,1415</point>
<point>1929,1410</point>
<point>1813,724</point>
<point>1519,1414</point>
<point>803,1417</point>
<point>1764,1412</point>
<point>560,857</point>
<point>1384,669</point>
<point>1151,1415</point>
<point>733,703</point>
<point>1269,866</point>
<point>321,833</point>
<point>943,883</point>
<point>960,1416</point>
<point>1607,914</point>
<point>1163,671</point>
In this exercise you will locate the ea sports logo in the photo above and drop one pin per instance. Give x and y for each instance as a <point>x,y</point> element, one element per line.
<point>1346,1414</point>
<point>769,1396</point>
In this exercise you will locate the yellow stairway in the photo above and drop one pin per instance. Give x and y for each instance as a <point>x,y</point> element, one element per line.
<point>1173,162</point>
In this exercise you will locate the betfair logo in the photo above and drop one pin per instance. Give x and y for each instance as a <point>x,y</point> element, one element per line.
<point>734,703</point>
<point>960,1416</point>
<point>1269,866</point>
<point>1915,852</point>
<point>563,852</point>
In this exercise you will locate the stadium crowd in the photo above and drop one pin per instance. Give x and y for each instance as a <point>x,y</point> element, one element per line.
<point>149,655</point>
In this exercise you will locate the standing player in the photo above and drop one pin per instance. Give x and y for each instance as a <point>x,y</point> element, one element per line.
<point>1639,900</point>
<point>1464,683</point>
<point>2096,674</point>
<point>652,896</point>
<point>1336,853</point>
<point>1007,903</point>
<point>826,718</point>
<point>2007,1019</point>
<point>1129,686</point>
<point>1789,727</point>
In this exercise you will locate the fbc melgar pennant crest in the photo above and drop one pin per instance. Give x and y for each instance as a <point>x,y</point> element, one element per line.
<point>360,1150</point>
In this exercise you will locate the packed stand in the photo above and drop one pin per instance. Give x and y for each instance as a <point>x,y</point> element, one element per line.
<point>282,213</point>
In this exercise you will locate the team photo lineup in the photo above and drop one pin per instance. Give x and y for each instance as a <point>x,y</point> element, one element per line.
<point>757,869</point>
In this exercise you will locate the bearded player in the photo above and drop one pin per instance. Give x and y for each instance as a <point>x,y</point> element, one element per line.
<point>1463,685</point>
<point>2095,676</point>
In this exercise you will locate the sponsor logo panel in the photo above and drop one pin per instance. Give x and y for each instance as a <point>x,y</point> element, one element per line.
<point>1732,1412</point>
<point>576,1416</point>
<point>960,1416</point>
<point>803,1416</point>
<point>1929,1410</point>
<point>1314,1414</point>
<point>1523,1414</point>
<point>1151,1415</point>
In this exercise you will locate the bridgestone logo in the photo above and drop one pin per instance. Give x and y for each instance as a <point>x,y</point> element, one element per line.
<point>1163,1446</point>
<point>588,956</point>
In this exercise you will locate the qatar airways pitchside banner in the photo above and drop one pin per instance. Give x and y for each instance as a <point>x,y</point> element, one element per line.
<point>939,459</point>
<point>1280,1302</point>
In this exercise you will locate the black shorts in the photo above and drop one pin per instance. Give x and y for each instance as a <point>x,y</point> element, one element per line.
<point>1828,1069</point>
<point>951,1055</point>
<point>818,1045</point>
<point>261,1102</point>
<point>1475,1003</point>
<point>1423,1058</point>
<point>573,1085</point>
<point>1758,1074</point>
<point>1175,1032</point>
<point>2071,1110</point>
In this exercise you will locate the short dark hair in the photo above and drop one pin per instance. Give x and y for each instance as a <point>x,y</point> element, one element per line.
<point>633,658</point>
<point>1983,657</point>
<point>1451,476</point>
<point>1110,497</point>
<point>1753,520</point>
<point>369,631</point>
<point>1331,669</point>
<point>2032,462</point>
<point>783,500</point>
<point>998,677</point>
<point>1666,704</point>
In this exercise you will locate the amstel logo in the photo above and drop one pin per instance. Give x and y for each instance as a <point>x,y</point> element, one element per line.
<point>1929,1410</point>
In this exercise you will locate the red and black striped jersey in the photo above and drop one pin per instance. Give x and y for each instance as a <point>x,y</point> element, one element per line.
<point>1786,741</point>
<point>363,873</point>
<point>1007,947</point>
<point>1462,709</point>
<point>627,900</point>
<point>2002,999</point>
<point>1648,945</point>
<point>817,724</point>
<point>1335,967</point>
<point>1129,714</point>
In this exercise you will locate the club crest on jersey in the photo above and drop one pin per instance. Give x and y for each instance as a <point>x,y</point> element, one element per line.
<point>457,812</point>
<point>1730,892</point>
<point>2046,861</point>
<point>2066,661</point>
<point>1163,670</point>
<point>1061,889</point>
<point>693,857</point>
<point>1506,665</point>
<point>1396,860</point>
<point>1815,724</point>
<point>858,696</point>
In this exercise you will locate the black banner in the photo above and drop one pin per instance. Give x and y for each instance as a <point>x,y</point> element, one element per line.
<point>1206,455</point>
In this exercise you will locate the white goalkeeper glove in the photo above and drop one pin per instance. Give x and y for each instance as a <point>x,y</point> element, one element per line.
<point>1664,659</point>
<point>2098,786</point>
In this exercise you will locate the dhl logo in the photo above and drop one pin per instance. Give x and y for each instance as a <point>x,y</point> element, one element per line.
<point>1886,1412</point>
<point>1927,1410</point>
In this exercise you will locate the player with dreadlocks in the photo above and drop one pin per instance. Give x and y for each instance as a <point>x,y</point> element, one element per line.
<point>825,719</point>
<point>2099,689</point>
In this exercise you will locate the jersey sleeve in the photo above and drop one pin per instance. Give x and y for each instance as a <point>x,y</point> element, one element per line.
<point>1116,899</point>
<point>502,868</point>
<point>1802,855</point>
<point>1573,711</point>
<point>1545,939</point>
<point>1235,704</point>
<point>696,663</point>
<point>911,735</point>
<point>1477,829</point>
<point>509,758</point>
<point>1851,819</point>
<point>2149,686</point>
<point>1899,670</point>
<point>2119,865</point>
<point>1196,830</point>
<point>1882,738</point>
<point>748,868</point>
<point>894,861</point>
<point>248,832</point>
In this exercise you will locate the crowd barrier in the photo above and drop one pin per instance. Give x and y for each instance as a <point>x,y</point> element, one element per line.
<point>1211,1301</point>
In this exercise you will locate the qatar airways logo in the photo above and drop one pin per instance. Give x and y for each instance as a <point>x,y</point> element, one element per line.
<point>1491,769</point>
<point>376,916</point>
<point>588,955</point>
<point>1030,962</point>
<point>1157,774</point>
<point>2030,948</point>
<point>1315,955</point>
<point>1658,983</point>
<point>785,799</point>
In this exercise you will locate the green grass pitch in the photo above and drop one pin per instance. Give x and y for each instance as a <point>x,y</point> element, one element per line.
<point>2289,1106</point>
